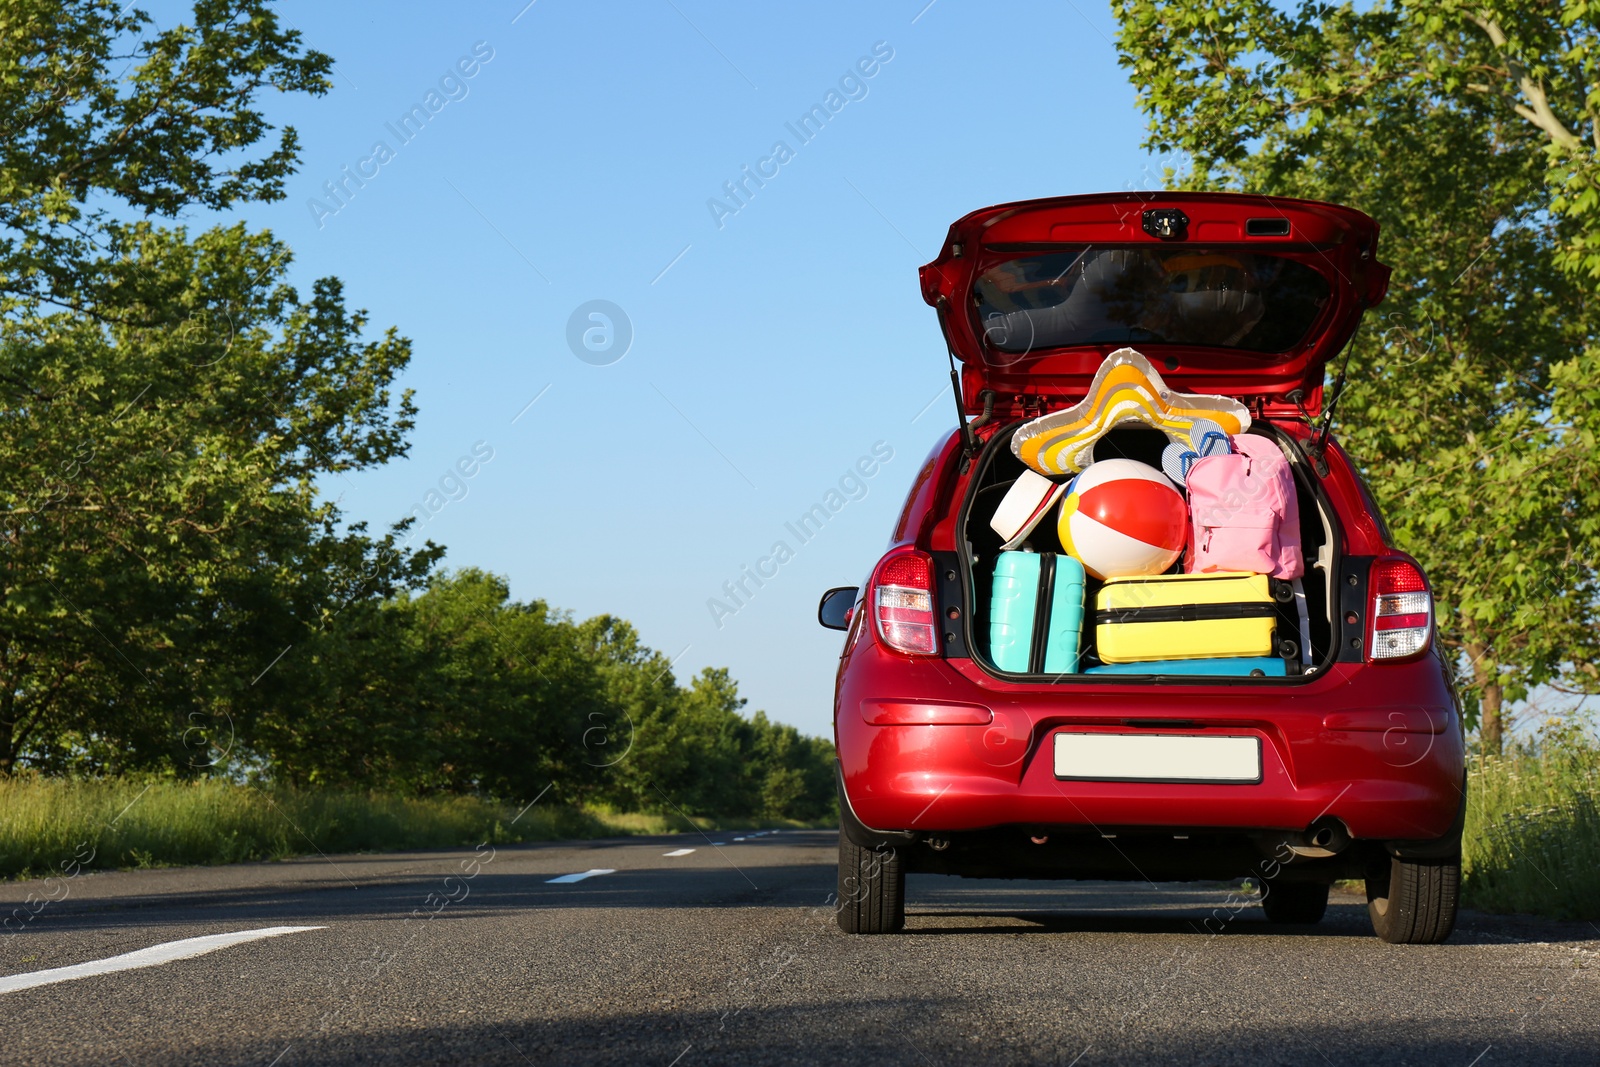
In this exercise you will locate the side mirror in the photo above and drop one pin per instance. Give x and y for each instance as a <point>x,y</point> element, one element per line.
<point>837,607</point>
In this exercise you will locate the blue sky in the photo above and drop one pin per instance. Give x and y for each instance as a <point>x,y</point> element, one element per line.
<point>772,346</point>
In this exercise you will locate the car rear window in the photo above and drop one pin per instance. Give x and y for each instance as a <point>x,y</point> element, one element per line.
<point>1183,296</point>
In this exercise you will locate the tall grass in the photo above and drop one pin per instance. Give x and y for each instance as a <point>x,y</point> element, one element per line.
<point>1532,841</point>
<point>57,826</point>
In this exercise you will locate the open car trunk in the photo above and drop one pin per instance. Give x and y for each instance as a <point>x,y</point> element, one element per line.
<point>1247,296</point>
<point>997,468</point>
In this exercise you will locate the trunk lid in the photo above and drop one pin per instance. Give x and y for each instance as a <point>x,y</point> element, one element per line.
<point>1248,296</point>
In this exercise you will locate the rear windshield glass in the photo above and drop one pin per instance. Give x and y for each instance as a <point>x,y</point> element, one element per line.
<point>1181,296</point>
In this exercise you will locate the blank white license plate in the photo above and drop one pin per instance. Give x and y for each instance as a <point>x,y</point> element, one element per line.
<point>1157,758</point>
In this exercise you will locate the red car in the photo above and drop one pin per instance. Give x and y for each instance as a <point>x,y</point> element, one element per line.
<point>948,764</point>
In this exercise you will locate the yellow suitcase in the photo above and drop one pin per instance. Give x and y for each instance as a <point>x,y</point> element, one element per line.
<point>1185,616</point>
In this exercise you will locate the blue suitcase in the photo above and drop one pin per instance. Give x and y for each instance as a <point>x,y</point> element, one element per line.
<point>1036,613</point>
<point>1240,666</point>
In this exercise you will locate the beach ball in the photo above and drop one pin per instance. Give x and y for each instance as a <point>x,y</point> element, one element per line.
<point>1121,517</point>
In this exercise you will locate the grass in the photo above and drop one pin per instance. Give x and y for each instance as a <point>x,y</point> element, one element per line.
<point>58,826</point>
<point>1532,841</point>
<point>649,823</point>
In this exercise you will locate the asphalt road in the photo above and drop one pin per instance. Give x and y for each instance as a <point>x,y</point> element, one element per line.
<point>730,955</point>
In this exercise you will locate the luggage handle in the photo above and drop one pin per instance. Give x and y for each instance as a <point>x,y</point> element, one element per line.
<point>1044,600</point>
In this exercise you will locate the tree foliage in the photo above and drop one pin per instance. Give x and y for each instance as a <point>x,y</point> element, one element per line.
<point>169,402</point>
<point>161,534</point>
<point>102,116</point>
<point>1470,132</point>
<point>176,595</point>
<point>461,689</point>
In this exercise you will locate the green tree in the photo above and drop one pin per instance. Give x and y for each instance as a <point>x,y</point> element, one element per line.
<point>462,689</point>
<point>636,748</point>
<point>102,115</point>
<point>168,403</point>
<point>458,689</point>
<point>711,743</point>
<point>515,688</point>
<point>691,750</point>
<point>1464,130</point>
<point>162,539</point>
<point>728,764</point>
<point>175,593</point>
<point>796,771</point>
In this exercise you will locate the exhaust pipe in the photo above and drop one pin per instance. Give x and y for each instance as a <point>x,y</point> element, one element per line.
<point>1331,834</point>
<point>1323,838</point>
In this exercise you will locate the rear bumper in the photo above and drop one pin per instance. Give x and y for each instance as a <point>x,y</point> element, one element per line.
<point>1378,747</point>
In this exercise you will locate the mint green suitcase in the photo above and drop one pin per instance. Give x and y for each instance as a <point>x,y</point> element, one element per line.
<point>1036,613</point>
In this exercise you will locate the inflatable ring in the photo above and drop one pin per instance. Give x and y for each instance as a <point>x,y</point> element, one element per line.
<point>1126,389</point>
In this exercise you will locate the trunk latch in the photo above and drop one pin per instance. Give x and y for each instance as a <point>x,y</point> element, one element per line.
<point>1166,223</point>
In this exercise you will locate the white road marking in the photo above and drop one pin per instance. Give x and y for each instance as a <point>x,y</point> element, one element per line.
<point>718,844</point>
<point>146,957</point>
<point>568,879</point>
<point>738,839</point>
<point>678,852</point>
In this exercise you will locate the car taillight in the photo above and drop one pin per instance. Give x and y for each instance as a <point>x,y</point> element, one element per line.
<point>1402,610</point>
<point>903,604</point>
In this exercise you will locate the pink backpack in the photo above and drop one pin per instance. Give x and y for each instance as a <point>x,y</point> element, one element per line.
<point>1244,513</point>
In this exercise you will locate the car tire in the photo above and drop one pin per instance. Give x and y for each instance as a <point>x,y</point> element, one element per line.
<point>872,889</point>
<point>1296,903</point>
<point>1413,902</point>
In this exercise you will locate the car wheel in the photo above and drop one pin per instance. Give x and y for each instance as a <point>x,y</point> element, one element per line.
<point>872,889</point>
<point>1300,903</point>
<point>1413,902</point>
